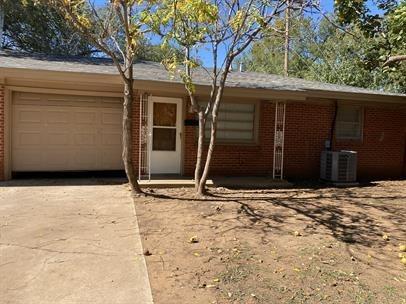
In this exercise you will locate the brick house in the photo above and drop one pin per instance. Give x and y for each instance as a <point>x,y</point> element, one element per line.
<point>64,114</point>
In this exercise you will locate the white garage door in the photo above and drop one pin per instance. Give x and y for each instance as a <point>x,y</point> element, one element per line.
<point>65,133</point>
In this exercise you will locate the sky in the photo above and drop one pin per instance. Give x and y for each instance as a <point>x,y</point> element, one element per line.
<point>327,6</point>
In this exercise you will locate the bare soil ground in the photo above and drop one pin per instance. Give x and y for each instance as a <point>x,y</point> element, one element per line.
<point>299,245</point>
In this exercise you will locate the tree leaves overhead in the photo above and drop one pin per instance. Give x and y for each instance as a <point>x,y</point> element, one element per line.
<point>357,56</point>
<point>359,12</point>
<point>34,27</point>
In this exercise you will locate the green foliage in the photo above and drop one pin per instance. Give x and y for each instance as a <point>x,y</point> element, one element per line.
<point>358,12</point>
<point>188,20</point>
<point>395,24</point>
<point>33,26</point>
<point>155,52</point>
<point>325,53</point>
<point>36,27</point>
<point>341,59</point>
<point>267,55</point>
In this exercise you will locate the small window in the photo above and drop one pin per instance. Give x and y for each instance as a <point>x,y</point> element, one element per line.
<point>236,123</point>
<point>349,122</point>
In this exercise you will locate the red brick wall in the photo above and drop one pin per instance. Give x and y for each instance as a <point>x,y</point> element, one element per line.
<point>1,132</point>
<point>253,159</point>
<point>380,153</point>
<point>307,127</point>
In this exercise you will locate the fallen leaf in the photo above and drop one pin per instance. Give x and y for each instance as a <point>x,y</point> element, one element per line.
<point>297,233</point>
<point>194,239</point>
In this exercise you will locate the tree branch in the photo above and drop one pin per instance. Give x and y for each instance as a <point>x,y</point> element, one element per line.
<point>393,59</point>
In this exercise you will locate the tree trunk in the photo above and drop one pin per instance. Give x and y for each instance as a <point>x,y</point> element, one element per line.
<point>127,137</point>
<point>200,142</point>
<point>201,190</point>
<point>1,23</point>
<point>219,95</point>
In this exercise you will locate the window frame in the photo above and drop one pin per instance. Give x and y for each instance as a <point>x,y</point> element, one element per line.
<point>248,142</point>
<point>360,123</point>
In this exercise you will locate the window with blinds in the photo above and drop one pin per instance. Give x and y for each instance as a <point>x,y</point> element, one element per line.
<point>236,123</point>
<point>349,122</point>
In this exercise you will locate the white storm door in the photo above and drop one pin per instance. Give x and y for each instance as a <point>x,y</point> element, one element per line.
<point>165,116</point>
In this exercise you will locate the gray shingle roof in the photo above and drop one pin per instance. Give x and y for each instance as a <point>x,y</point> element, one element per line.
<point>153,71</point>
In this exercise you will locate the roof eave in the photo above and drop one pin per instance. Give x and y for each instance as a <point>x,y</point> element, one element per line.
<point>176,87</point>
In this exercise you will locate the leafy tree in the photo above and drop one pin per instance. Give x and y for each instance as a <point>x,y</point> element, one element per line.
<point>156,52</point>
<point>226,28</point>
<point>267,55</point>
<point>395,24</point>
<point>361,13</point>
<point>119,20</point>
<point>389,25</point>
<point>323,52</point>
<point>33,26</point>
<point>342,59</point>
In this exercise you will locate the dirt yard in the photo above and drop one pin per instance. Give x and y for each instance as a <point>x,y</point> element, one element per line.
<point>299,245</point>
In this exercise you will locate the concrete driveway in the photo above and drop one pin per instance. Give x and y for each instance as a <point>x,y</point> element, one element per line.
<point>70,241</point>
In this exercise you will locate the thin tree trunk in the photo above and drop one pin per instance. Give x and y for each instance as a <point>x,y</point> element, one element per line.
<point>201,190</point>
<point>1,23</point>
<point>127,137</point>
<point>287,38</point>
<point>203,180</point>
<point>219,95</point>
<point>200,143</point>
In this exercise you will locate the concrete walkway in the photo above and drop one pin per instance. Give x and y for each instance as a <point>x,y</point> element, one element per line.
<point>70,241</point>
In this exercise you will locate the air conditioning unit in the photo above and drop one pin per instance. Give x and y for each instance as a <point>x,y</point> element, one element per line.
<point>339,166</point>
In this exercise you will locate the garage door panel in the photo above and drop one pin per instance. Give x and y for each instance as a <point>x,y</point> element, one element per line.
<point>111,118</point>
<point>82,133</point>
<point>85,139</point>
<point>28,138</point>
<point>29,115</point>
<point>111,139</point>
<point>56,139</point>
<point>86,158</point>
<point>57,158</point>
<point>57,116</point>
<point>108,161</point>
<point>85,117</point>
<point>30,161</point>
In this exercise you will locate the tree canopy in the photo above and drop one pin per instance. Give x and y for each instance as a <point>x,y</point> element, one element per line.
<point>37,27</point>
<point>33,26</point>
<point>352,55</point>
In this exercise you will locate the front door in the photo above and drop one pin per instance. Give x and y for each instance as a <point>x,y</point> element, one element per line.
<point>165,116</point>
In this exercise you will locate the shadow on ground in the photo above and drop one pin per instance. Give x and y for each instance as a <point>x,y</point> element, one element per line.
<point>350,215</point>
